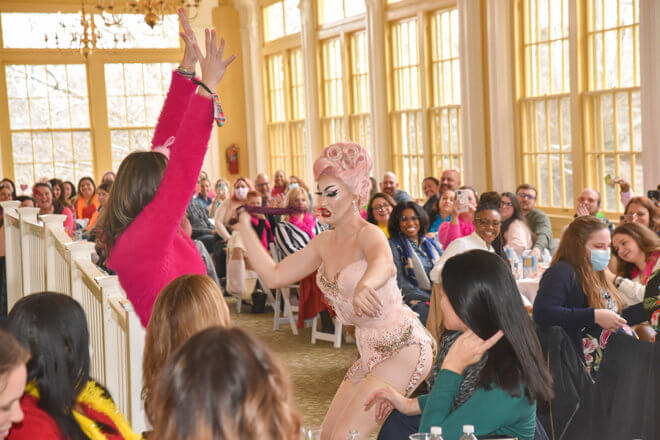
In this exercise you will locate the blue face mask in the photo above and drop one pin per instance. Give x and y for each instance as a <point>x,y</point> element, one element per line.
<point>600,258</point>
<point>293,185</point>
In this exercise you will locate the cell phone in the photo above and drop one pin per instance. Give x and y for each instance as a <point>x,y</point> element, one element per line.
<point>462,199</point>
<point>627,218</point>
<point>653,194</point>
<point>609,180</point>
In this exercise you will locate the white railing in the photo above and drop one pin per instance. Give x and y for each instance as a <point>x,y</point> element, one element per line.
<point>40,255</point>
<point>14,260</point>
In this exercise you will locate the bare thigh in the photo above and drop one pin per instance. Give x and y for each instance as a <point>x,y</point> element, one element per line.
<point>394,372</point>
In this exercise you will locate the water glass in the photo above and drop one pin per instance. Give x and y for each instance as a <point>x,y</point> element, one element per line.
<point>420,436</point>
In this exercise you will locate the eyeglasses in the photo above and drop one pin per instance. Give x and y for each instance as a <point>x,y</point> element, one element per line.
<point>504,204</point>
<point>404,218</point>
<point>485,223</point>
<point>263,184</point>
<point>381,208</point>
<point>526,196</point>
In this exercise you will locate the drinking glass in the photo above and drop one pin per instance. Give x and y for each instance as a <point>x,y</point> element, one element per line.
<point>420,436</point>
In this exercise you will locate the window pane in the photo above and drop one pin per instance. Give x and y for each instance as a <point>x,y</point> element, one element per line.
<point>331,10</point>
<point>273,21</point>
<point>23,30</point>
<point>133,32</point>
<point>354,7</point>
<point>292,16</point>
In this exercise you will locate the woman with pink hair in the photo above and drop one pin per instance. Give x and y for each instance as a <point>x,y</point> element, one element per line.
<point>356,273</point>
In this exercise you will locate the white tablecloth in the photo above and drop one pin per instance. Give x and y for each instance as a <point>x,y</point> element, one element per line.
<point>529,287</point>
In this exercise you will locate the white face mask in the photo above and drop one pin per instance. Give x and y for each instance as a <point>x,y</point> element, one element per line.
<point>241,193</point>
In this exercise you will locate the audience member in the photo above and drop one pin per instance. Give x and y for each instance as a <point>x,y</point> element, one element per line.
<point>487,222</point>
<point>538,221</point>
<point>103,194</point>
<point>441,212</point>
<point>461,223</point>
<point>295,181</point>
<point>187,305</point>
<point>203,197</point>
<point>13,376</point>
<point>491,374</point>
<point>87,201</point>
<point>250,400</point>
<point>43,195</point>
<point>227,211</point>
<point>390,185</point>
<point>575,293</point>
<point>625,190</point>
<point>644,211</point>
<point>450,180</point>
<point>12,187</point>
<point>58,193</point>
<point>202,228</point>
<point>637,250</point>
<point>373,187</point>
<point>221,194</point>
<point>260,223</point>
<point>61,401</point>
<point>515,230</point>
<point>379,210</point>
<point>26,201</point>
<point>69,194</point>
<point>296,230</point>
<point>108,176</point>
<point>430,188</point>
<point>414,255</point>
<point>588,203</point>
<point>281,183</point>
<point>141,229</point>
<point>5,193</point>
<point>491,197</point>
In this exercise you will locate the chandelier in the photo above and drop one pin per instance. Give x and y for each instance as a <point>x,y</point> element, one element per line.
<point>153,10</point>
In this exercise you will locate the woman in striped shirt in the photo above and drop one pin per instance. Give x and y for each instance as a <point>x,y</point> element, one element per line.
<point>296,230</point>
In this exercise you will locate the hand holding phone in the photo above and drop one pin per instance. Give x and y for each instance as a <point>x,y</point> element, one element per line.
<point>462,200</point>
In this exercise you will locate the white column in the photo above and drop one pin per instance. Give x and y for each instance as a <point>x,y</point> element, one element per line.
<point>501,96</point>
<point>472,95</point>
<point>312,120</point>
<point>649,51</point>
<point>250,14</point>
<point>378,87</point>
<point>204,20</point>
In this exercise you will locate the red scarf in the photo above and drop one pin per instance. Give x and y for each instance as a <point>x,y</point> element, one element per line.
<point>306,225</point>
<point>650,264</point>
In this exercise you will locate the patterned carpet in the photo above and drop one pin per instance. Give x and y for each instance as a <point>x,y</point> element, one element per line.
<point>315,370</point>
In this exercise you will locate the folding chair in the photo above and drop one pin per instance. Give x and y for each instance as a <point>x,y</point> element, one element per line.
<point>289,314</point>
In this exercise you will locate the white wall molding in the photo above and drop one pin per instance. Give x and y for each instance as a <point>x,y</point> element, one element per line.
<point>649,51</point>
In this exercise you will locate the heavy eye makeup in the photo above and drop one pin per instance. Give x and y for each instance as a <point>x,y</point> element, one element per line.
<point>330,191</point>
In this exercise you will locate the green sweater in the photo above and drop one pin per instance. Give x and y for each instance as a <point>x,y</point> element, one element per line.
<point>491,411</point>
<point>540,225</point>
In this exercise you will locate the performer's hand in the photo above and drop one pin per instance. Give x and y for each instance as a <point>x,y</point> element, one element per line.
<point>387,398</point>
<point>468,349</point>
<point>366,301</point>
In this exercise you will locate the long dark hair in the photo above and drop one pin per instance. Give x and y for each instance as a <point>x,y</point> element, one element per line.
<point>497,243</point>
<point>370,212</point>
<point>13,187</point>
<point>52,326</point>
<point>138,179</point>
<point>251,399</point>
<point>394,224</point>
<point>60,185</point>
<point>57,206</point>
<point>487,301</point>
<point>517,212</point>
<point>647,241</point>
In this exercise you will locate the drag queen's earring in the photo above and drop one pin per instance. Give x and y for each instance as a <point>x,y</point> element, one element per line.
<point>355,207</point>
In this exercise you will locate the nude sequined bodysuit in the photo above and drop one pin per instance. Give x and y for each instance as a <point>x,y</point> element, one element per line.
<point>381,337</point>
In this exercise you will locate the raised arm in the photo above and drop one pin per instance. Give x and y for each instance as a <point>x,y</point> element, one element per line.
<point>290,270</point>
<point>180,92</point>
<point>219,220</point>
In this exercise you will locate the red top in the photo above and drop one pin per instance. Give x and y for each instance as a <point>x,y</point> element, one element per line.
<point>88,211</point>
<point>277,190</point>
<point>153,251</point>
<point>449,232</point>
<point>37,424</point>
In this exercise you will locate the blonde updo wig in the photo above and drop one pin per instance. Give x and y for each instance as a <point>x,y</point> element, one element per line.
<point>348,162</point>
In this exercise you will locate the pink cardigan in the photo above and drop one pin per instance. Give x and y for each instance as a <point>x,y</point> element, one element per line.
<point>449,232</point>
<point>153,250</point>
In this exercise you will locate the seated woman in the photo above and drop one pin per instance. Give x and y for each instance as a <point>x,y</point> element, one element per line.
<point>13,376</point>
<point>221,193</point>
<point>227,210</point>
<point>69,194</point>
<point>441,212</point>
<point>379,209</point>
<point>141,228</point>
<point>58,193</point>
<point>296,230</point>
<point>414,255</point>
<point>103,194</point>
<point>61,401</point>
<point>185,306</point>
<point>493,373</point>
<point>515,230</point>
<point>637,250</point>
<point>575,293</point>
<point>487,222</point>
<point>47,204</point>
<point>644,211</point>
<point>461,222</point>
<point>87,201</point>
<point>295,181</point>
<point>249,398</point>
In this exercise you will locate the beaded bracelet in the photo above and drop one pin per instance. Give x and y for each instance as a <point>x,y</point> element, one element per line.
<point>218,114</point>
<point>185,72</point>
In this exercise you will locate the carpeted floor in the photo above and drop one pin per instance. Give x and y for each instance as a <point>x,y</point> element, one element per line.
<point>315,370</point>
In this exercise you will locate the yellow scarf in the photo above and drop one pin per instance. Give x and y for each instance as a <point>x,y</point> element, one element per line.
<point>92,396</point>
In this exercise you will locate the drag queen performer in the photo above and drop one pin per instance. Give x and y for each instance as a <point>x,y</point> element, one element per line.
<point>356,273</point>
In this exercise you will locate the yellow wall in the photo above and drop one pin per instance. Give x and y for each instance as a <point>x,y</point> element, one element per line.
<point>232,91</point>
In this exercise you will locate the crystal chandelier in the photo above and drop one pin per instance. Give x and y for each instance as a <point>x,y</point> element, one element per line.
<point>153,10</point>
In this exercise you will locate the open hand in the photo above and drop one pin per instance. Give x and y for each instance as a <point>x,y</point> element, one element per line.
<point>189,56</point>
<point>212,65</point>
<point>468,349</point>
<point>582,210</point>
<point>387,398</point>
<point>366,301</point>
<point>623,184</point>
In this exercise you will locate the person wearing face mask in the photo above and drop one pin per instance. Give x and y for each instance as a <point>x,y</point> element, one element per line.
<point>227,210</point>
<point>357,275</point>
<point>576,294</point>
<point>13,376</point>
<point>414,255</point>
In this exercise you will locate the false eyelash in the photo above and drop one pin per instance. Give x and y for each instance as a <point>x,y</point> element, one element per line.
<point>332,194</point>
